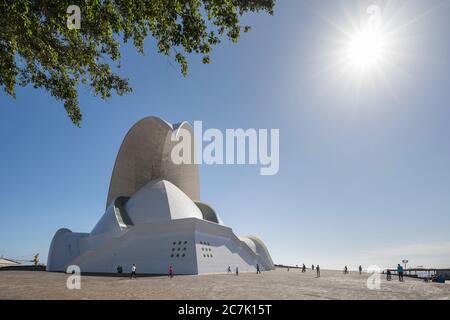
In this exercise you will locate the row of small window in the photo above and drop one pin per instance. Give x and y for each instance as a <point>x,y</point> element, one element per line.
<point>183,255</point>
<point>206,249</point>
<point>205,243</point>
<point>179,242</point>
<point>179,249</point>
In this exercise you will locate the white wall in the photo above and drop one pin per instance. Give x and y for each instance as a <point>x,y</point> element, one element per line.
<point>150,245</point>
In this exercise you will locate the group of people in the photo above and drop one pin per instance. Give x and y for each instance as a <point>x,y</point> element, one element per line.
<point>317,268</point>
<point>400,272</point>
<point>133,271</point>
<point>258,270</point>
<point>346,270</point>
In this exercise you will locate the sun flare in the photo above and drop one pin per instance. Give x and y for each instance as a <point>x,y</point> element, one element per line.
<point>366,49</point>
<point>374,50</point>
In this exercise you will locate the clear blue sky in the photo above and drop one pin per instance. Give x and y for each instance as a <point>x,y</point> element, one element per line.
<point>364,170</point>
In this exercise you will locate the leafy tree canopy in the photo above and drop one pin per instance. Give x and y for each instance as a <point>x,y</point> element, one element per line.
<point>38,48</point>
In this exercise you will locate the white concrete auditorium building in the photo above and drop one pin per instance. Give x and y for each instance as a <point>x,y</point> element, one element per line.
<point>154,217</point>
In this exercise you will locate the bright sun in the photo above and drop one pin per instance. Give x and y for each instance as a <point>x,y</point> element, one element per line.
<point>366,49</point>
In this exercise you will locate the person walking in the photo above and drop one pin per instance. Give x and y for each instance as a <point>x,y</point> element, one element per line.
<point>170,272</point>
<point>318,271</point>
<point>237,271</point>
<point>303,268</point>
<point>229,269</point>
<point>400,272</point>
<point>345,270</point>
<point>257,269</point>
<point>312,267</point>
<point>360,270</point>
<point>133,271</point>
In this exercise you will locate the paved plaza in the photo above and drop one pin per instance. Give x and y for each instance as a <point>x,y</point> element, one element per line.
<point>278,284</point>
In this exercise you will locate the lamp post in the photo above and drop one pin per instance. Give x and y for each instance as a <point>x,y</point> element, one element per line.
<point>405,263</point>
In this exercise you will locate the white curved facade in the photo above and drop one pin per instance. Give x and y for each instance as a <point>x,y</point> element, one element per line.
<point>155,219</point>
<point>161,201</point>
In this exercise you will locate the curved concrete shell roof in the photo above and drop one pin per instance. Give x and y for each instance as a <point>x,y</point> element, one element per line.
<point>160,201</point>
<point>145,155</point>
<point>261,249</point>
<point>249,243</point>
<point>115,218</point>
<point>208,212</point>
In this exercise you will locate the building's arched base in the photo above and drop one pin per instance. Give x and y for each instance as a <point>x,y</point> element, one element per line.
<point>191,246</point>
